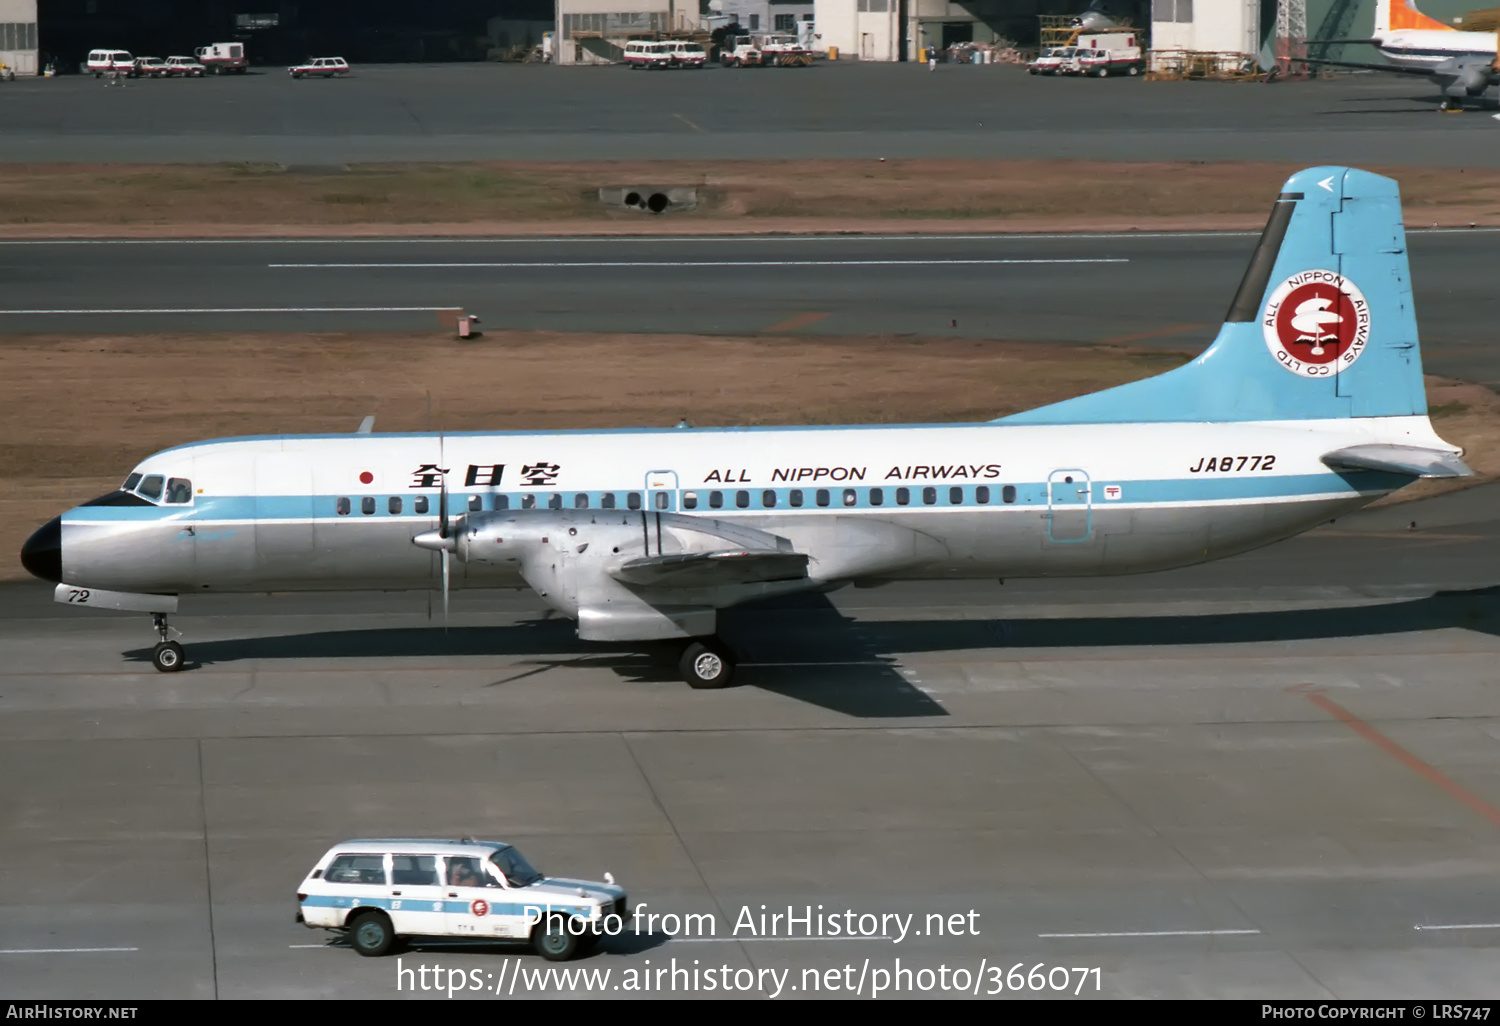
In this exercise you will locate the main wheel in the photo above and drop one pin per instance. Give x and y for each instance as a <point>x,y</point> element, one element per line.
<point>372,935</point>
<point>553,940</point>
<point>706,664</point>
<point>167,657</point>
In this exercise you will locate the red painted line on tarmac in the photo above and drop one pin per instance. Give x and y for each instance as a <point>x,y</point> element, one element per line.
<point>802,320</point>
<point>1425,770</point>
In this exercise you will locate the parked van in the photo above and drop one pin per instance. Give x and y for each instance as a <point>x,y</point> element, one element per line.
<point>102,62</point>
<point>376,891</point>
<point>644,53</point>
<point>688,55</point>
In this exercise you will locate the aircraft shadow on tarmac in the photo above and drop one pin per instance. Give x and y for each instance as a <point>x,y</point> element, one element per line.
<point>804,648</point>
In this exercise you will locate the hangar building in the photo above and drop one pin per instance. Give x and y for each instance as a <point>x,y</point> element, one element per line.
<point>18,36</point>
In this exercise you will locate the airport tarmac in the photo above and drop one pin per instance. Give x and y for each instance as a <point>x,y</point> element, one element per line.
<point>1165,290</point>
<point>834,109</point>
<point>1273,776</point>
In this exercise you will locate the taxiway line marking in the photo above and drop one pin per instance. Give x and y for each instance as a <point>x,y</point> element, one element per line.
<point>1423,769</point>
<point>685,121</point>
<point>1459,926</point>
<point>1157,933</point>
<point>239,310</point>
<point>59,951</point>
<point>766,940</point>
<point>594,264</point>
<point>800,320</point>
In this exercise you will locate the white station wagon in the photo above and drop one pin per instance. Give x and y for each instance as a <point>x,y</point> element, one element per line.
<point>378,890</point>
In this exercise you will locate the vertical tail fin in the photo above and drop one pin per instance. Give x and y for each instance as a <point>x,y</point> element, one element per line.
<point>1321,327</point>
<point>1403,14</point>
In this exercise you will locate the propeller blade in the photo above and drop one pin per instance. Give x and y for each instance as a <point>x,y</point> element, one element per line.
<point>446,556</point>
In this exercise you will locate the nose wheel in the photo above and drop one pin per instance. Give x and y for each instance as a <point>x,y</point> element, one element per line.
<point>167,656</point>
<point>706,663</point>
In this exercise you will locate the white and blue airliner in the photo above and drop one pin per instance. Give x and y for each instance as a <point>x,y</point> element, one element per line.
<point>1309,404</point>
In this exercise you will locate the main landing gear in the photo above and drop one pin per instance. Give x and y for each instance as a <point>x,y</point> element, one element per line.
<point>706,663</point>
<point>167,656</point>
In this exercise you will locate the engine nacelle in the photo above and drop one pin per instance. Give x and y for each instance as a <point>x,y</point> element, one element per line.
<point>1472,80</point>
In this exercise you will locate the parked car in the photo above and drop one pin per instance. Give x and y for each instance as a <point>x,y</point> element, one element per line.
<point>324,67</point>
<point>150,67</point>
<point>741,52</point>
<point>1053,61</point>
<point>187,67</point>
<point>1103,63</point>
<point>104,62</point>
<point>222,58</point>
<point>688,55</point>
<point>643,53</point>
<point>377,891</point>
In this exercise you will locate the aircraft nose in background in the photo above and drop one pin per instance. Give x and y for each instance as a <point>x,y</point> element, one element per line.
<point>42,553</point>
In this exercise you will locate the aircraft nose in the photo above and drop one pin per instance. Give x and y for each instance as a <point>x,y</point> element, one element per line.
<point>42,553</point>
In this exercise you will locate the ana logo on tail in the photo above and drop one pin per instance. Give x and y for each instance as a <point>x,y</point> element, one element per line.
<point>1316,323</point>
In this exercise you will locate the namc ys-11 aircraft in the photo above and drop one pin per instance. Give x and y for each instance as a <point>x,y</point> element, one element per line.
<point>1309,404</point>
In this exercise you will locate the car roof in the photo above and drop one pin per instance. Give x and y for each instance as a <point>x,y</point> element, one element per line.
<point>416,846</point>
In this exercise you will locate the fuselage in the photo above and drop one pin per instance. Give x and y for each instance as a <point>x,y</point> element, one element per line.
<point>1425,48</point>
<point>942,501</point>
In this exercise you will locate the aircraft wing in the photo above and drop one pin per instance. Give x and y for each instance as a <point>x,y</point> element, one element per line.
<point>1398,459</point>
<point>1372,66</point>
<point>712,569</point>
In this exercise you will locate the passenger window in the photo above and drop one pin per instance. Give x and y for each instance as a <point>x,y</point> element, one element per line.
<point>342,506</point>
<point>476,503</point>
<point>716,499</point>
<point>464,871</point>
<point>151,487</point>
<point>581,500</point>
<point>179,490</point>
<point>822,496</point>
<point>502,502</point>
<point>528,501</point>
<point>607,500</point>
<point>877,496</point>
<point>393,505</point>
<point>554,501</point>
<point>768,498</point>
<point>130,483</point>
<point>1008,493</point>
<point>414,870</point>
<point>795,496</point>
<point>850,497</point>
<point>689,500</point>
<point>929,496</point>
<point>663,500</point>
<point>356,869</point>
<point>903,496</point>
<point>955,496</point>
<point>633,500</point>
<point>742,499</point>
<point>419,504</point>
<point>367,505</point>
<point>982,495</point>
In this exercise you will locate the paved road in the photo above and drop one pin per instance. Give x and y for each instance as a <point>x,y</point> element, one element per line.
<point>529,112</point>
<point>1158,290</point>
<point>1269,777</point>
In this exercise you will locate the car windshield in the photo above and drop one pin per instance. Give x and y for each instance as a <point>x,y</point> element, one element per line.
<point>516,870</point>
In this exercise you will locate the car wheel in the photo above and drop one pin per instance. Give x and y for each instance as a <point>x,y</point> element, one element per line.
<point>1103,72</point>
<point>1134,69</point>
<point>553,940</point>
<point>371,934</point>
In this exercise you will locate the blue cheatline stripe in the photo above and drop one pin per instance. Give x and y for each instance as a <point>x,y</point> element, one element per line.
<point>1207,488</point>
<point>437,905</point>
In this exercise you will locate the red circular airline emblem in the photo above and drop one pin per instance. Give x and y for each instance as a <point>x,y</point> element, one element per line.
<point>366,477</point>
<point>1316,323</point>
<point>480,908</point>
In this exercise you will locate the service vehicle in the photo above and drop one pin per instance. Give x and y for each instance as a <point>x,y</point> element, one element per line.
<point>646,53</point>
<point>7,73</point>
<point>784,51</point>
<point>687,55</point>
<point>379,890</point>
<point>150,67</point>
<point>741,52</point>
<point>104,62</point>
<point>325,67</point>
<point>1053,61</point>
<point>223,58</point>
<point>1103,63</point>
<point>187,67</point>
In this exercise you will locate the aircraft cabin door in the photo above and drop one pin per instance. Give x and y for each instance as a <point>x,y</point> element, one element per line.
<point>1069,506</point>
<point>661,490</point>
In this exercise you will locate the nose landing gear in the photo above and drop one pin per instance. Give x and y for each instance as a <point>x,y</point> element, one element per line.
<point>167,656</point>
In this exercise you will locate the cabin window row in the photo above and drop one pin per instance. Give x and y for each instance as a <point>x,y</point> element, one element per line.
<point>423,505</point>
<point>771,498</point>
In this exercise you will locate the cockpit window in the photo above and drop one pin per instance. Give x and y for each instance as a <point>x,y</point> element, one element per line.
<point>179,490</point>
<point>151,487</point>
<point>130,483</point>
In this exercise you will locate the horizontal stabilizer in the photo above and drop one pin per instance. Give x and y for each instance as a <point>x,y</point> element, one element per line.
<point>1399,459</point>
<point>712,569</point>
